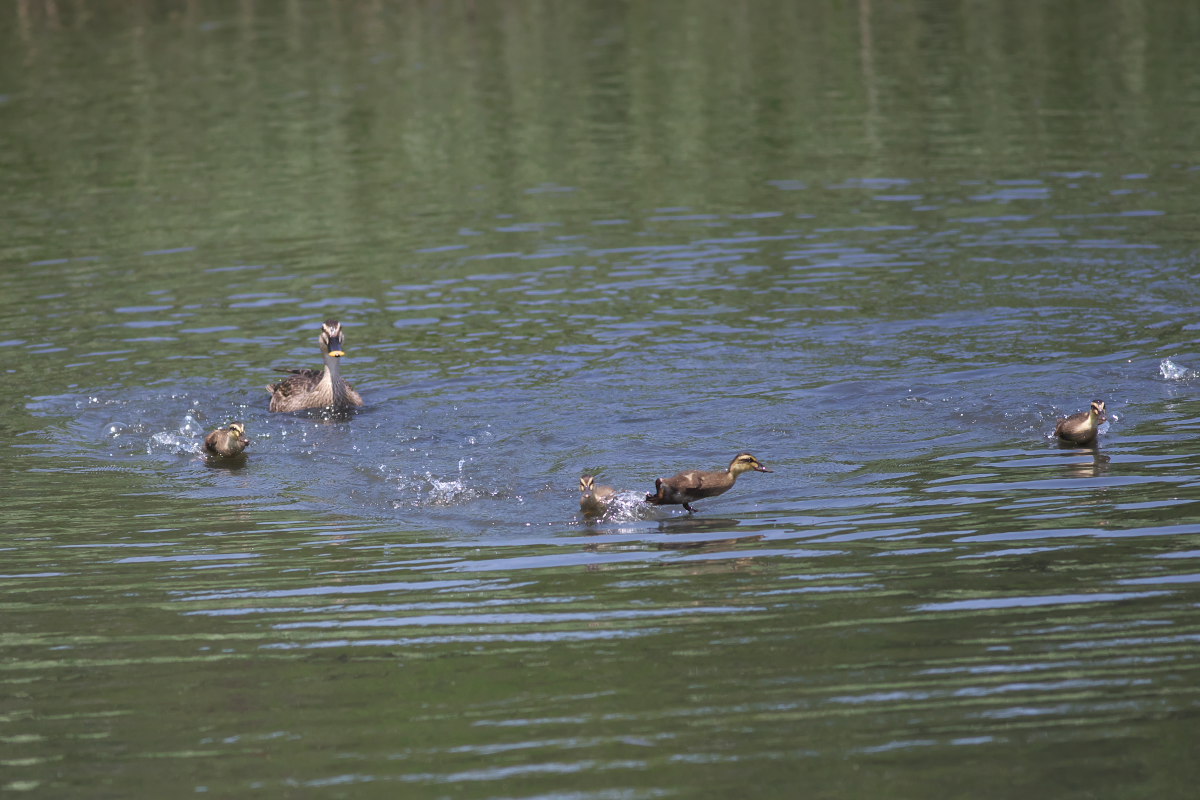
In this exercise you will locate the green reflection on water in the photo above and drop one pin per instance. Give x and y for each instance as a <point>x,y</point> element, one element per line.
<point>366,152</point>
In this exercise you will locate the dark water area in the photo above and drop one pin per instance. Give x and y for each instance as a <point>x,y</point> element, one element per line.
<point>884,247</point>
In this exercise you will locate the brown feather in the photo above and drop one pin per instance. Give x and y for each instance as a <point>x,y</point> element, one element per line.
<point>226,442</point>
<point>594,500</point>
<point>1080,429</point>
<point>690,485</point>
<point>316,388</point>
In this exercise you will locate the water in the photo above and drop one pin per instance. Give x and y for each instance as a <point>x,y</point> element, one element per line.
<point>1171,371</point>
<point>882,248</point>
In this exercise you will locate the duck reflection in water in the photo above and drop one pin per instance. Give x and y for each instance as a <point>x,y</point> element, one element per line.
<point>684,526</point>
<point>708,533</point>
<point>1092,467</point>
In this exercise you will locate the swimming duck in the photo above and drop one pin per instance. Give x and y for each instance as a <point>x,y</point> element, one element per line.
<point>226,442</point>
<point>1080,429</point>
<point>312,388</point>
<point>593,499</point>
<point>695,484</point>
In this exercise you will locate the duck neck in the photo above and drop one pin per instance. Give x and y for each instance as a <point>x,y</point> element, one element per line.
<point>333,374</point>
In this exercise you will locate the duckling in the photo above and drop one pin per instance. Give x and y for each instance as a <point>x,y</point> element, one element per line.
<point>226,442</point>
<point>593,499</point>
<point>311,388</point>
<point>1080,429</point>
<point>685,487</point>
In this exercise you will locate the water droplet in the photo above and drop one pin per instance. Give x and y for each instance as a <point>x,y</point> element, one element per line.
<point>1175,372</point>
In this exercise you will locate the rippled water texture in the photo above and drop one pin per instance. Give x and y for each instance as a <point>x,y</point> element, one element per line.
<point>883,248</point>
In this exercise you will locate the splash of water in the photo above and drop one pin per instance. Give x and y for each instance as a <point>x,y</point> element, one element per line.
<point>171,443</point>
<point>627,506</point>
<point>1171,371</point>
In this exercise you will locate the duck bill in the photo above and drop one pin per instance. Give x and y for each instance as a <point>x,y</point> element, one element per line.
<point>761,468</point>
<point>335,347</point>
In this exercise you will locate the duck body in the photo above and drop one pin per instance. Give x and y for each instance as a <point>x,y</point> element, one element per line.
<point>317,388</point>
<point>594,500</point>
<point>228,442</point>
<point>687,487</point>
<point>1080,429</point>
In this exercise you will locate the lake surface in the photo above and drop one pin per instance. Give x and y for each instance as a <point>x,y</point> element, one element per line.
<point>884,247</point>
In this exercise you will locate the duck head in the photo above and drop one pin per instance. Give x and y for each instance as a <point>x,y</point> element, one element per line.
<point>744,462</point>
<point>238,431</point>
<point>332,340</point>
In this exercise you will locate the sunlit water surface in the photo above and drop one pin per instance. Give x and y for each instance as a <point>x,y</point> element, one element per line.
<point>927,597</point>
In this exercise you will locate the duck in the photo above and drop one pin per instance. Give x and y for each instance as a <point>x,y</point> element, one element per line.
<point>593,499</point>
<point>692,485</point>
<point>1080,429</point>
<point>227,442</point>
<point>317,388</point>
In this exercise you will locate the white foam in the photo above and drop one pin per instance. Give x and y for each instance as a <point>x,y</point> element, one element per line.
<point>1171,371</point>
<point>175,443</point>
<point>627,506</point>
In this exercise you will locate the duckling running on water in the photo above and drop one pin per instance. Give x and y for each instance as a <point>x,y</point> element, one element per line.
<point>1080,429</point>
<point>593,499</point>
<point>693,485</point>
<point>226,442</point>
<point>312,388</point>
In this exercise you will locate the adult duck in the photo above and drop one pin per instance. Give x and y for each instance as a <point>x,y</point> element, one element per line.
<point>317,388</point>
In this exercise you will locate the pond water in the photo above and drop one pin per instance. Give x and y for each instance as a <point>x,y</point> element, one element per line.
<point>883,247</point>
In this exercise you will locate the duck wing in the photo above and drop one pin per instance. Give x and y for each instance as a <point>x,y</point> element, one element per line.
<point>354,397</point>
<point>1070,424</point>
<point>298,381</point>
<point>315,374</point>
<point>711,484</point>
<point>697,484</point>
<point>210,441</point>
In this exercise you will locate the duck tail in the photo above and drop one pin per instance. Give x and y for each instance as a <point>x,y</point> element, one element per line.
<point>655,498</point>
